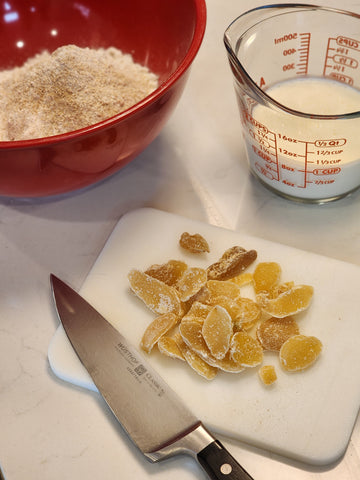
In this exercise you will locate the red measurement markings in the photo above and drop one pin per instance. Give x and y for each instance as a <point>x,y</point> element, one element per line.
<point>263,144</point>
<point>345,61</point>
<point>340,77</point>
<point>290,150</point>
<point>326,171</point>
<point>295,48</point>
<point>348,42</point>
<point>302,66</point>
<point>326,156</point>
<point>330,143</point>
<point>340,60</point>
<point>263,170</point>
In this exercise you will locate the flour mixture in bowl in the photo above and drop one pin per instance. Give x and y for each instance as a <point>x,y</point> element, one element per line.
<point>71,88</point>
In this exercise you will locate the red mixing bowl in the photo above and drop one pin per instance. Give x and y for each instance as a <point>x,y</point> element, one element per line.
<point>164,35</point>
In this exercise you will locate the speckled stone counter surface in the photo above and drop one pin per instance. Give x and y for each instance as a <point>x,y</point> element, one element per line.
<point>196,168</point>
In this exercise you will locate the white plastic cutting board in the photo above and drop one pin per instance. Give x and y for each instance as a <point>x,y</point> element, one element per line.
<point>307,416</point>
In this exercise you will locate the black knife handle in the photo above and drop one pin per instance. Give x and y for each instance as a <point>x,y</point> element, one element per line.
<point>219,464</point>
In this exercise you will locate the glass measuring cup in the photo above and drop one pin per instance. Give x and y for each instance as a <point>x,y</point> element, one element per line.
<point>297,81</point>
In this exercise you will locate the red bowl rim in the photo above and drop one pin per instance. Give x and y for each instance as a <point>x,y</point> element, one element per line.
<point>201,14</point>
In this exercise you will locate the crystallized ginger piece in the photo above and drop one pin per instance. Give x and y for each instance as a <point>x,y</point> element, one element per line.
<point>194,243</point>
<point>249,313</point>
<point>246,350</point>
<point>179,341</point>
<point>198,364</point>
<point>292,301</point>
<point>217,331</point>
<point>202,296</point>
<point>169,346</point>
<point>273,332</point>
<point>218,288</point>
<point>230,306</point>
<point>266,275</point>
<point>169,272</point>
<point>281,288</point>
<point>299,352</point>
<point>198,312</point>
<point>267,374</point>
<point>157,328</point>
<point>191,282</point>
<point>262,299</point>
<point>157,296</point>
<point>233,262</point>
<point>243,279</point>
<point>191,334</point>
<point>226,364</point>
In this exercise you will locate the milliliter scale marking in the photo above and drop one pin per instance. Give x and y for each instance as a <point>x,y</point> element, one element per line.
<point>295,48</point>
<point>302,65</point>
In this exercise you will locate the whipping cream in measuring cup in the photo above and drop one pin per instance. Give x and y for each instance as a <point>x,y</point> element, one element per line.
<point>302,157</point>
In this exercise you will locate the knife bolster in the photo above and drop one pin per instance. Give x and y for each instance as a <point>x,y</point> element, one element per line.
<point>189,443</point>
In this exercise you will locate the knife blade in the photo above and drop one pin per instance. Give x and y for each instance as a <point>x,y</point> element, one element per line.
<point>150,412</point>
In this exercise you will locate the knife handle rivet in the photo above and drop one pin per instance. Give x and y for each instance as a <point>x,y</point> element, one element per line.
<point>226,469</point>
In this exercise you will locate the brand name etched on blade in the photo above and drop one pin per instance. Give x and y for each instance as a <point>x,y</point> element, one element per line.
<point>138,370</point>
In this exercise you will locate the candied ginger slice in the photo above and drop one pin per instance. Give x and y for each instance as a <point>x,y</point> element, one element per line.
<point>273,332</point>
<point>230,306</point>
<point>249,313</point>
<point>202,296</point>
<point>169,272</point>
<point>157,296</point>
<point>191,333</point>
<point>299,352</point>
<point>267,374</point>
<point>196,361</point>
<point>191,282</point>
<point>199,364</point>
<point>169,346</point>
<point>219,288</point>
<point>179,341</point>
<point>226,364</point>
<point>195,243</point>
<point>243,279</point>
<point>198,311</point>
<point>281,288</point>
<point>233,262</point>
<point>246,350</point>
<point>157,328</point>
<point>217,330</point>
<point>292,301</point>
<point>266,275</point>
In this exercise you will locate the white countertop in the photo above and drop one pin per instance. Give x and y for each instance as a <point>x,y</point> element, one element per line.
<point>196,168</point>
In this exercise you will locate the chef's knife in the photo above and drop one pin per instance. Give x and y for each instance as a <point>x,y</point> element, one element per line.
<point>153,416</point>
